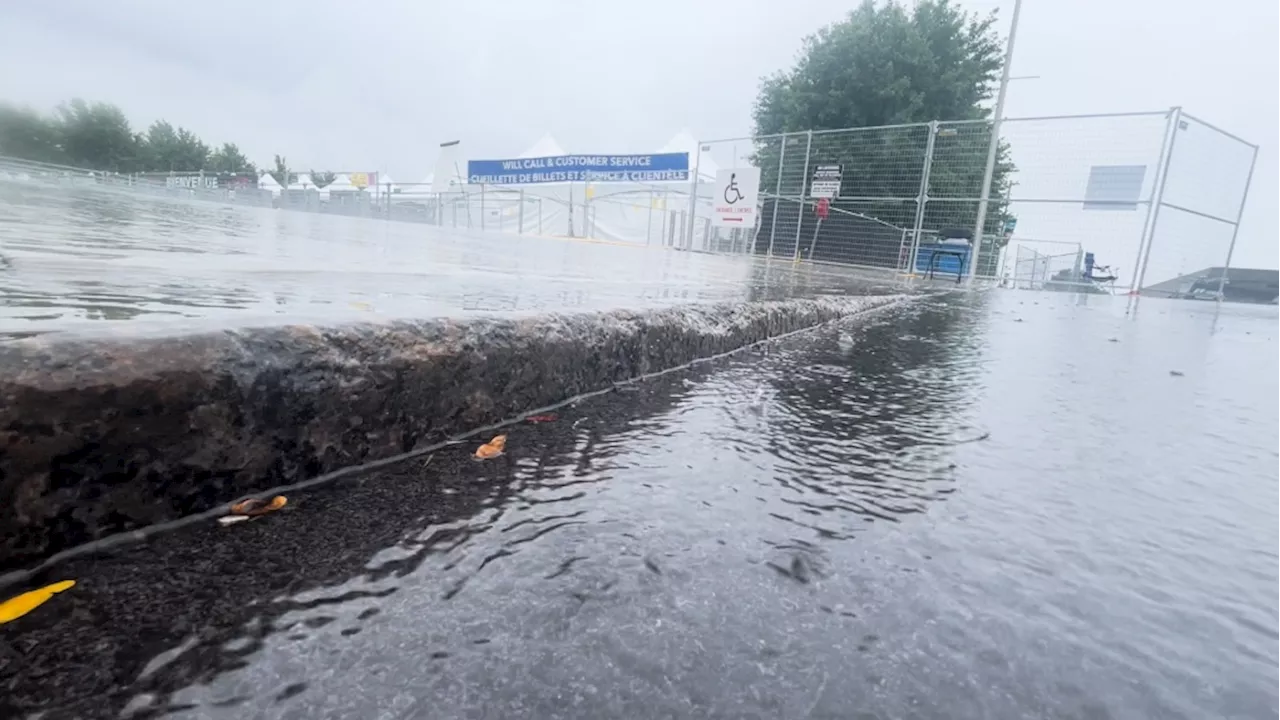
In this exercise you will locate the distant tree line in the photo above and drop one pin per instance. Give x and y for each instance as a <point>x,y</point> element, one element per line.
<point>98,136</point>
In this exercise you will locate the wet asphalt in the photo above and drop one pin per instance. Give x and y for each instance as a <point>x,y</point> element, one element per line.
<point>999,506</point>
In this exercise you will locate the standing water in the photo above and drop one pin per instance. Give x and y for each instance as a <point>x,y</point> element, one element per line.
<point>997,506</point>
<point>85,258</point>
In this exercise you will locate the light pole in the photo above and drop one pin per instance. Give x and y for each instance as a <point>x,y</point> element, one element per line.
<point>993,147</point>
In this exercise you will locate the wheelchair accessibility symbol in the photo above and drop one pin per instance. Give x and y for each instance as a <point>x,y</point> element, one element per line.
<point>736,196</point>
<point>732,195</point>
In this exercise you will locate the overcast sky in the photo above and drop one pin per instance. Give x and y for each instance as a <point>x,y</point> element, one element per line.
<point>378,85</point>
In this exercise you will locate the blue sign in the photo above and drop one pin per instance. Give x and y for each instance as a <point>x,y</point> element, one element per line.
<point>663,167</point>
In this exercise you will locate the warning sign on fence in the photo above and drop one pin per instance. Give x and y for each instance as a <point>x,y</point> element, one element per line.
<point>735,197</point>
<point>826,181</point>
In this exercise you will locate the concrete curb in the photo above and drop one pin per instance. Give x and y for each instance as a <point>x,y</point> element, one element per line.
<point>100,437</point>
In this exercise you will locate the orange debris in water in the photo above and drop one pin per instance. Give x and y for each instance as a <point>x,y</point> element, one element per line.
<point>254,506</point>
<point>491,449</point>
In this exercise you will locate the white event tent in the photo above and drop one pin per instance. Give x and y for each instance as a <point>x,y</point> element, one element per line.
<point>303,181</point>
<point>268,182</point>
<point>341,183</point>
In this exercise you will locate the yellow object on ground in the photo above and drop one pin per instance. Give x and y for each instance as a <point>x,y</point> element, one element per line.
<point>16,607</point>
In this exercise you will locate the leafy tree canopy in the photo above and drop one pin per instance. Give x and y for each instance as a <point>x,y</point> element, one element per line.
<point>886,65</point>
<point>889,64</point>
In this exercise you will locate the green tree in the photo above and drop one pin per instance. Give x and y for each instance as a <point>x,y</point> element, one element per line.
<point>97,136</point>
<point>26,134</point>
<point>229,159</point>
<point>890,65</point>
<point>281,171</point>
<point>174,149</point>
<point>322,178</point>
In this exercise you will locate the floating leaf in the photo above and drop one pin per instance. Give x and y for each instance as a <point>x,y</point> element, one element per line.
<point>549,417</point>
<point>16,607</point>
<point>255,506</point>
<point>491,449</point>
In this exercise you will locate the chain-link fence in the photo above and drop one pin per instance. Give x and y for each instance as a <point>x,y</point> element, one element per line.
<point>1142,197</point>
<point>1039,265</point>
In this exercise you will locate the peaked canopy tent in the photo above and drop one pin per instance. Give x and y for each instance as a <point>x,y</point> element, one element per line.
<point>268,182</point>
<point>416,190</point>
<point>341,183</point>
<point>303,182</point>
<point>685,142</point>
<point>385,184</point>
<point>546,146</point>
<point>421,189</point>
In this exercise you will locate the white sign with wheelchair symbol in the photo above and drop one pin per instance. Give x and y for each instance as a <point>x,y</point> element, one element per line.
<point>736,193</point>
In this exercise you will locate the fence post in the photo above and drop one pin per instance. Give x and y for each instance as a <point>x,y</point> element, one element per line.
<point>804,184</point>
<point>1161,159</point>
<point>1175,118</point>
<point>993,147</point>
<point>922,199</point>
<point>777,195</point>
<point>693,196</point>
<point>1222,280</point>
<point>520,230</point>
<point>648,226</point>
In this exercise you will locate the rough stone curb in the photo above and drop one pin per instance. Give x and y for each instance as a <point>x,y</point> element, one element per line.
<point>99,437</point>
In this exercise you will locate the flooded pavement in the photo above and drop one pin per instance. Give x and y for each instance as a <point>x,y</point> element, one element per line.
<point>998,506</point>
<point>88,257</point>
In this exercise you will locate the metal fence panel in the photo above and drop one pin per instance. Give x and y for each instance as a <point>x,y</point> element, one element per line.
<point>1199,205</point>
<point>1037,265</point>
<point>954,191</point>
<point>1086,180</point>
<point>1093,181</point>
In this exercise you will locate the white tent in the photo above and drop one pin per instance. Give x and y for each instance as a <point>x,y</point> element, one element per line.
<point>267,182</point>
<point>341,183</point>
<point>685,142</point>
<point>418,189</point>
<point>303,182</point>
<point>415,190</point>
<point>545,147</point>
<point>382,187</point>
